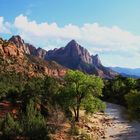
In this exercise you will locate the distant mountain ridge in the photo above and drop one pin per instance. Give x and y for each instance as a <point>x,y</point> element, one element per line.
<point>128,72</point>
<point>72,56</point>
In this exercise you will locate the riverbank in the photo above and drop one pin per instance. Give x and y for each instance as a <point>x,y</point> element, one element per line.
<point>121,128</point>
<point>113,124</point>
<point>110,125</point>
<point>92,127</point>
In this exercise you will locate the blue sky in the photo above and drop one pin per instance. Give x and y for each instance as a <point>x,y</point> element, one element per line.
<point>107,27</point>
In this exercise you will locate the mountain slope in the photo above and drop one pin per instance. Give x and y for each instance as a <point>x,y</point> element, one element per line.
<point>72,56</point>
<point>27,48</point>
<point>13,58</point>
<point>76,57</point>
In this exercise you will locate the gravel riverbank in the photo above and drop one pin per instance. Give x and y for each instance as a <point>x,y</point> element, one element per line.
<point>121,128</point>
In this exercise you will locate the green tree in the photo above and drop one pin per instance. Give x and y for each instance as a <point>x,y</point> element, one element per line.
<point>93,105</point>
<point>11,85</point>
<point>78,88</point>
<point>133,102</point>
<point>33,90</point>
<point>10,127</point>
<point>116,89</point>
<point>34,124</point>
<point>51,88</point>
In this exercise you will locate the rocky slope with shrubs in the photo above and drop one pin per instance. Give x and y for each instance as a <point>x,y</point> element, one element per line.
<point>72,56</point>
<point>15,56</point>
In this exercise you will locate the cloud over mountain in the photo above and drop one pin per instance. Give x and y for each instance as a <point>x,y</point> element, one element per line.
<point>97,38</point>
<point>105,38</point>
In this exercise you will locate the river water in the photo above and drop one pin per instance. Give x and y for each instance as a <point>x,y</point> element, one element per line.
<point>122,128</point>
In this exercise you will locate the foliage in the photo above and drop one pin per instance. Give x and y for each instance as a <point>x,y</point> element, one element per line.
<point>40,96</point>
<point>33,90</point>
<point>86,136</point>
<point>10,127</point>
<point>30,124</point>
<point>93,105</point>
<point>51,88</point>
<point>11,85</point>
<point>124,91</point>
<point>133,102</point>
<point>115,89</point>
<point>34,124</point>
<point>77,89</point>
<point>74,130</point>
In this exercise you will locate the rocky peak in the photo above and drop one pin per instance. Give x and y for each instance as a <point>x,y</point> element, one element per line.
<point>13,59</point>
<point>73,46</point>
<point>19,42</point>
<point>74,56</point>
<point>41,53</point>
<point>77,51</point>
<point>72,43</point>
<point>36,52</point>
<point>27,48</point>
<point>1,40</point>
<point>8,49</point>
<point>31,48</point>
<point>96,60</point>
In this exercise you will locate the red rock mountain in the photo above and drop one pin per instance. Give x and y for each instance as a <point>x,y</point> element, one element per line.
<point>16,40</point>
<point>72,56</point>
<point>27,48</point>
<point>15,57</point>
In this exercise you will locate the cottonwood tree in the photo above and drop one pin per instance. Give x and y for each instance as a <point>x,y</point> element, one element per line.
<point>78,89</point>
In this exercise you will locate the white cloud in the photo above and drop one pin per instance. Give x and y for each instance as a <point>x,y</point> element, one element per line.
<point>108,41</point>
<point>4,26</point>
<point>45,29</point>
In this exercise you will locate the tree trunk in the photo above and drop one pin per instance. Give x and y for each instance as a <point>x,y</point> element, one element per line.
<point>77,114</point>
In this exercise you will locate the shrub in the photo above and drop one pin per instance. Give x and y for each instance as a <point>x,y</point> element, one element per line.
<point>94,105</point>
<point>10,127</point>
<point>133,102</point>
<point>74,131</point>
<point>34,123</point>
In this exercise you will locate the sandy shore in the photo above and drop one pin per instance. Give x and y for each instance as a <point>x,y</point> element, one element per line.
<point>113,124</point>
<point>121,128</point>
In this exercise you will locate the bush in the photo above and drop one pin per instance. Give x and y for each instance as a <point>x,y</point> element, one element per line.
<point>94,105</point>
<point>133,102</point>
<point>31,125</point>
<point>10,127</point>
<point>85,136</point>
<point>34,123</point>
<point>74,131</point>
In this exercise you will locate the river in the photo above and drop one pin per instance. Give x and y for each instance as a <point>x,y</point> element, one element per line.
<point>121,128</point>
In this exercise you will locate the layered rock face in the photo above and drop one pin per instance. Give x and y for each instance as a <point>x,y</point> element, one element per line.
<point>39,52</point>
<point>75,57</point>
<point>72,56</point>
<point>14,58</point>
<point>9,49</point>
<point>20,44</point>
<point>27,48</point>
